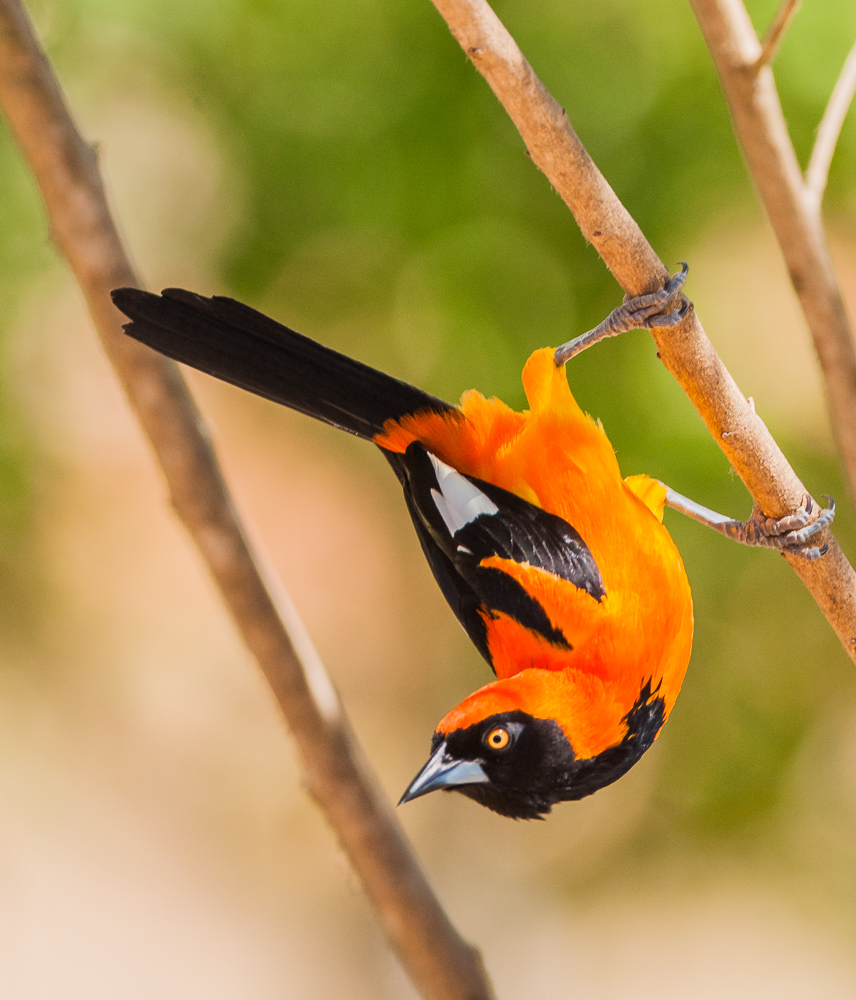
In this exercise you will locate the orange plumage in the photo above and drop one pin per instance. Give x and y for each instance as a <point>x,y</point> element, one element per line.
<point>557,457</point>
<point>560,571</point>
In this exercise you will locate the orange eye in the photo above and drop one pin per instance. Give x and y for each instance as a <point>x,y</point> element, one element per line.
<point>498,739</point>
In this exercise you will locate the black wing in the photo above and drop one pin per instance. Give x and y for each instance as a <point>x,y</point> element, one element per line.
<point>461,520</point>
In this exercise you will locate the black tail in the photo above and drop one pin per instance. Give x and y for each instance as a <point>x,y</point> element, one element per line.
<point>229,340</point>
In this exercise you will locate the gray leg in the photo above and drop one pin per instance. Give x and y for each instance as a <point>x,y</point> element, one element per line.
<point>788,534</point>
<point>643,312</point>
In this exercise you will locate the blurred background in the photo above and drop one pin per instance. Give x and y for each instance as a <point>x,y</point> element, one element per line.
<point>342,167</point>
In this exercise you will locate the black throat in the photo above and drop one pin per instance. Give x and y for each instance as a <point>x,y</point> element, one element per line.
<point>543,768</point>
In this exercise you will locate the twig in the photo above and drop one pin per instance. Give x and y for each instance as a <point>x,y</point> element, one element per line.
<point>830,128</point>
<point>441,965</point>
<point>794,216</point>
<point>688,354</point>
<point>776,31</point>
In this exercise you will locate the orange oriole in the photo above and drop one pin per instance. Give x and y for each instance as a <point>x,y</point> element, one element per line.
<point>560,571</point>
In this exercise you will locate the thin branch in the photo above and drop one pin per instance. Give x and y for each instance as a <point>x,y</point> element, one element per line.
<point>778,26</point>
<point>686,351</point>
<point>829,130</point>
<point>441,965</point>
<point>793,213</point>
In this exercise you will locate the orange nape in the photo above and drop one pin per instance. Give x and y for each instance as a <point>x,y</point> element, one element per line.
<point>586,707</point>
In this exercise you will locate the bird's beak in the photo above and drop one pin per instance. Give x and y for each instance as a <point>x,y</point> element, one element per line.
<point>443,771</point>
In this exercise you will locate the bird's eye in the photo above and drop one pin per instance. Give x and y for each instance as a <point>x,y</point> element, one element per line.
<point>498,738</point>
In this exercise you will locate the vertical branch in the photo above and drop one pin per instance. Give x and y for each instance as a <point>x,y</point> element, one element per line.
<point>830,128</point>
<point>763,135</point>
<point>441,965</point>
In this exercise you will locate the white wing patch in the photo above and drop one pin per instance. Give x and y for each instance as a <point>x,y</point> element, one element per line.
<point>459,501</point>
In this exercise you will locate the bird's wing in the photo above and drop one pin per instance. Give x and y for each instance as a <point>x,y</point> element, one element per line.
<point>463,521</point>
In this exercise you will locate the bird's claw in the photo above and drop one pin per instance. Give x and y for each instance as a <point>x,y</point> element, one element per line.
<point>788,534</point>
<point>650,310</point>
<point>643,312</point>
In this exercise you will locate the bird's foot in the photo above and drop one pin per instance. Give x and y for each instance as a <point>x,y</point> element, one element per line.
<point>789,534</point>
<point>663,308</point>
<point>795,533</point>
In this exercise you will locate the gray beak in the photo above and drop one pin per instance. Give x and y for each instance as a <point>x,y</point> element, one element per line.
<point>443,771</point>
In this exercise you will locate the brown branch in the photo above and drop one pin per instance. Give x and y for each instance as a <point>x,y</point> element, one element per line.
<point>793,213</point>
<point>776,32</point>
<point>830,128</point>
<point>441,965</point>
<point>686,351</point>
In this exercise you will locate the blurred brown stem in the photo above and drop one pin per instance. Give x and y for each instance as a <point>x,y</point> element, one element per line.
<point>441,965</point>
<point>793,210</point>
<point>829,129</point>
<point>776,32</point>
<point>686,351</point>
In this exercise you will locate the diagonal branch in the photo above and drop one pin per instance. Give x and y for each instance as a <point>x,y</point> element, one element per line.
<point>687,353</point>
<point>441,965</point>
<point>830,128</point>
<point>794,215</point>
<point>776,32</point>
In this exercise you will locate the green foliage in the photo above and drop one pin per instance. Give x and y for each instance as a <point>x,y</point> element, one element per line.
<point>23,254</point>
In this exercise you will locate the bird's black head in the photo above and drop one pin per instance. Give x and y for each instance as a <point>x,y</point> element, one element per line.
<point>512,763</point>
<point>520,766</point>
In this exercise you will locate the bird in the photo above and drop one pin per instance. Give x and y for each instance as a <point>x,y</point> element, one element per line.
<point>559,569</point>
